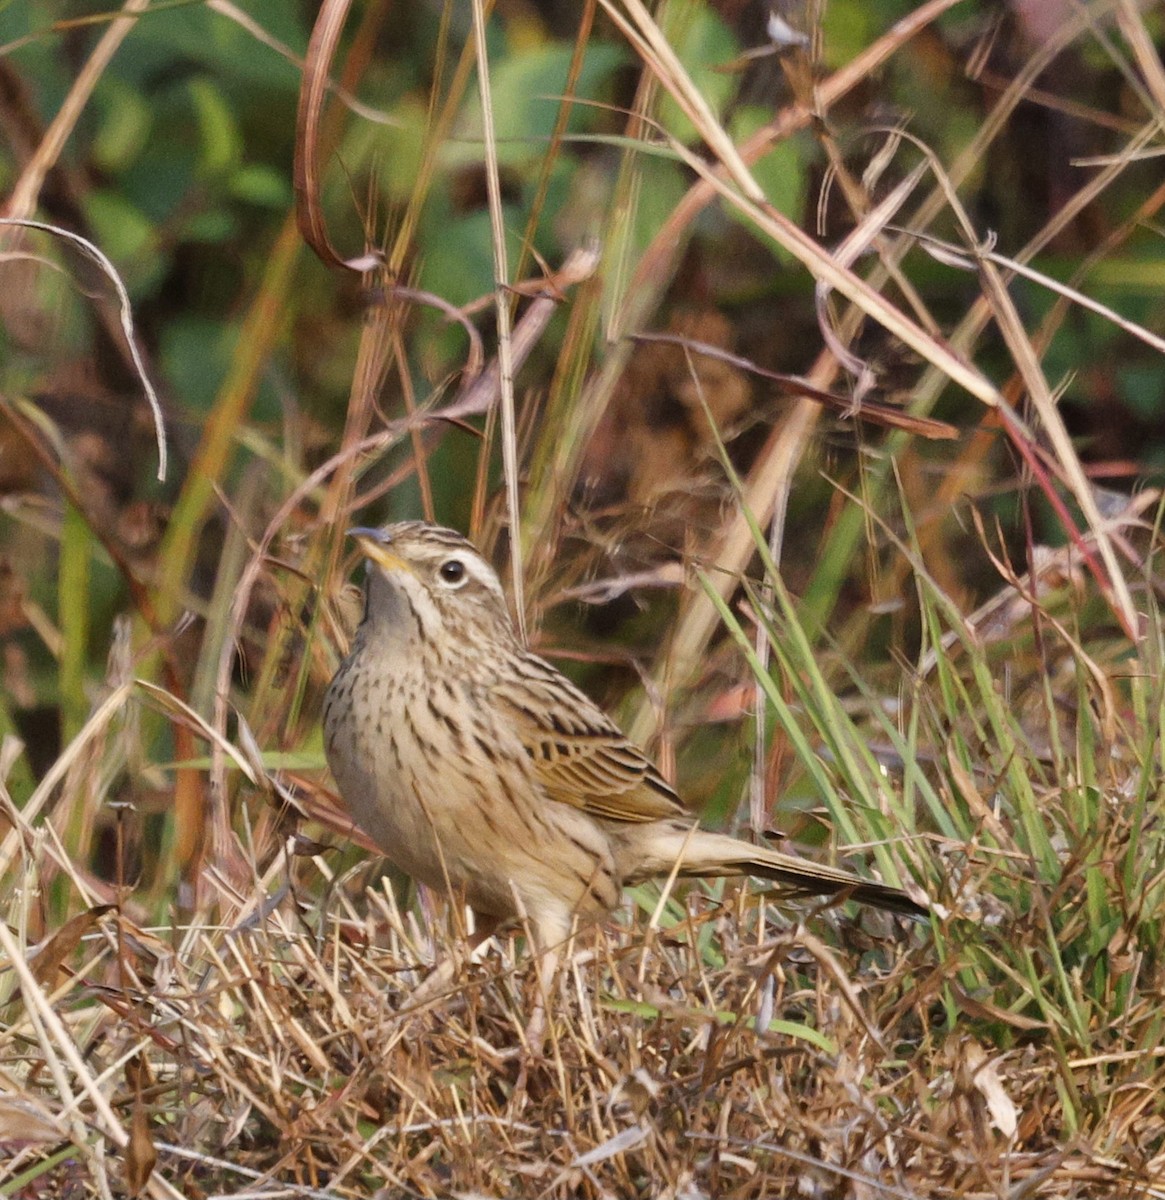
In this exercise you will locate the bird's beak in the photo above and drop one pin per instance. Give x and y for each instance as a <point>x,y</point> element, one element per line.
<point>377,547</point>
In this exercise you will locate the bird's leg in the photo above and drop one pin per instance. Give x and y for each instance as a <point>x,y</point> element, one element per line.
<point>549,933</point>
<point>548,961</point>
<point>535,1032</point>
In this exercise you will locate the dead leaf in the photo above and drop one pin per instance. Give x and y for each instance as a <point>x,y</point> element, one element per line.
<point>141,1155</point>
<point>989,1085</point>
<point>23,1121</point>
<point>51,955</point>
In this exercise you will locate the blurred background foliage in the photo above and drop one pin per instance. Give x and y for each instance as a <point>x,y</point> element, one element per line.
<point>180,168</point>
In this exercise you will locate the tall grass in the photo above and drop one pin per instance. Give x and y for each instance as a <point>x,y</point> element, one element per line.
<point>202,961</point>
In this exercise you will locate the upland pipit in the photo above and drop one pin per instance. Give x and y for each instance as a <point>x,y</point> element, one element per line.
<point>479,769</point>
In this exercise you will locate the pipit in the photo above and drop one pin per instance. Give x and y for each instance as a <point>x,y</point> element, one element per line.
<point>482,771</point>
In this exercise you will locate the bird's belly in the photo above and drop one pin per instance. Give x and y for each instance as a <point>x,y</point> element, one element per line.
<point>375,764</point>
<point>458,818</point>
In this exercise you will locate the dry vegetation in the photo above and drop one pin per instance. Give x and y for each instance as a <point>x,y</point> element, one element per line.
<point>953,677</point>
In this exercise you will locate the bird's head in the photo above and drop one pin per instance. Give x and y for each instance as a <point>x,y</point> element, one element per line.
<point>434,577</point>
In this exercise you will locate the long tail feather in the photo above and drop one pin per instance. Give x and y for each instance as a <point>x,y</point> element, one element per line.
<point>712,855</point>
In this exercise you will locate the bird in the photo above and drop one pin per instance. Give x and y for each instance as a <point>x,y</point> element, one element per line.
<point>480,770</point>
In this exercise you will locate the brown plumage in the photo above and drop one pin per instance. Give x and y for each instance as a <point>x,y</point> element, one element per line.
<point>479,769</point>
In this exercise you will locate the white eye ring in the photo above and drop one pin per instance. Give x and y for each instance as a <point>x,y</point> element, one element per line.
<point>452,573</point>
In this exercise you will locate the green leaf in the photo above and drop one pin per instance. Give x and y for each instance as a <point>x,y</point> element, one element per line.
<point>122,231</point>
<point>261,185</point>
<point>782,171</point>
<point>705,45</point>
<point>126,120</point>
<point>222,145</point>
<point>526,94</point>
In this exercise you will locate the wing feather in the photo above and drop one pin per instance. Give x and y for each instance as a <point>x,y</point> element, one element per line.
<point>580,755</point>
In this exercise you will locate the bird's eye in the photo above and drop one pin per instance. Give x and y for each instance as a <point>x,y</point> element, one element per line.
<point>452,571</point>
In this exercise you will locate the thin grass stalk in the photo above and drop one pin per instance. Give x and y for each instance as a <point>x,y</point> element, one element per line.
<point>744,195</point>
<point>933,381</point>
<point>73,601</point>
<point>23,198</point>
<point>1147,687</point>
<point>795,652</point>
<point>439,121</point>
<point>503,315</point>
<point>217,629</point>
<point>882,818</point>
<point>828,727</point>
<point>566,104</point>
<point>575,408</point>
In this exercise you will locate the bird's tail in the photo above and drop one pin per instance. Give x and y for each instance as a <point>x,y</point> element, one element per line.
<point>701,853</point>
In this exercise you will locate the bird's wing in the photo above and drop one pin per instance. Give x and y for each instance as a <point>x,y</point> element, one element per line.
<point>580,755</point>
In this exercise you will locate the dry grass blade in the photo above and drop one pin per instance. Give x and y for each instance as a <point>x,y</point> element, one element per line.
<point>748,197</point>
<point>1052,422</point>
<point>503,315</point>
<point>1132,24</point>
<point>127,324</point>
<point>829,271</point>
<point>22,201</point>
<point>58,1046</point>
<point>953,256</point>
<point>314,90</point>
<point>94,728</point>
<point>484,389</point>
<point>793,385</point>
